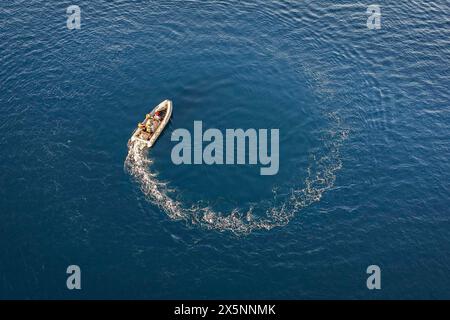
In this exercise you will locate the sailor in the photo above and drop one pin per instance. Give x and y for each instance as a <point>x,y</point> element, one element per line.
<point>149,126</point>
<point>158,115</point>
<point>141,126</point>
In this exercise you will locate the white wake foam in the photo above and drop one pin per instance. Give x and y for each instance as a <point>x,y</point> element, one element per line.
<point>321,177</point>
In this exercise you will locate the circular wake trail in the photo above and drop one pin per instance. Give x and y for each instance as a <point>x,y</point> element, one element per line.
<point>320,178</point>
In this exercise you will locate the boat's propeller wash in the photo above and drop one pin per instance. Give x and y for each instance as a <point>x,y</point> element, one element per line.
<point>321,177</point>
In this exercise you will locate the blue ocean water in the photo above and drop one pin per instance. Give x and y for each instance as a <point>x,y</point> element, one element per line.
<point>364,148</point>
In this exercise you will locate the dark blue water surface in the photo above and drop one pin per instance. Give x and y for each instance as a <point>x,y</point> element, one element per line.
<point>364,121</point>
